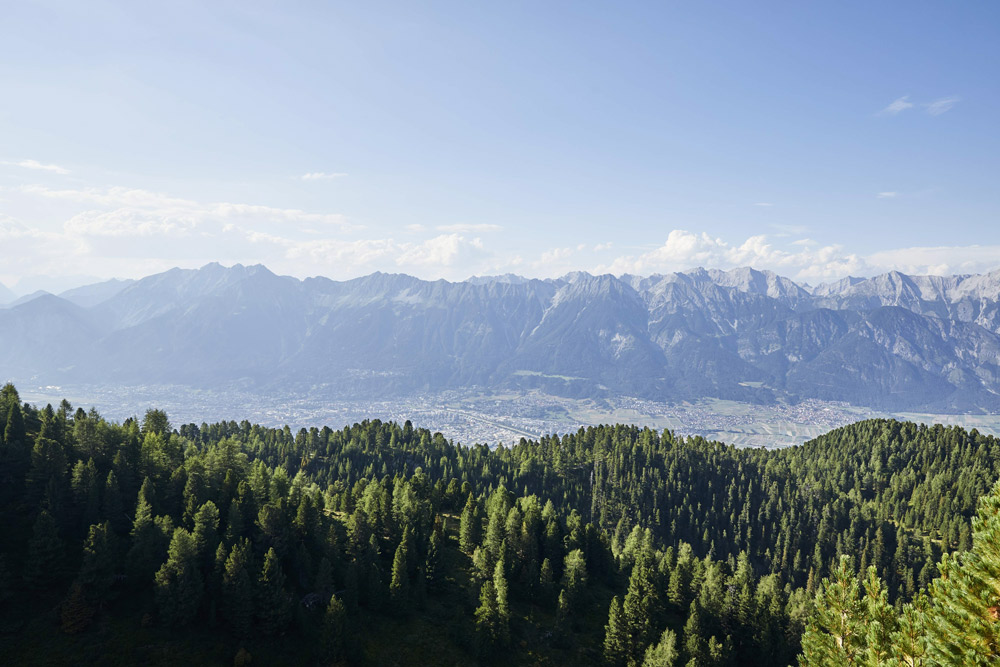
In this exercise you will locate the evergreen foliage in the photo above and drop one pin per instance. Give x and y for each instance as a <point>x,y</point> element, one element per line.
<point>680,548</point>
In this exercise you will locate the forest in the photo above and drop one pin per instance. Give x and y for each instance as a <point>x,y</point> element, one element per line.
<point>380,543</point>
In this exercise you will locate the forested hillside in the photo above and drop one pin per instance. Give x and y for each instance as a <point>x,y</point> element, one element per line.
<point>382,543</point>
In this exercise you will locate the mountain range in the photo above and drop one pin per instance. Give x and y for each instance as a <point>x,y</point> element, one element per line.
<point>890,342</point>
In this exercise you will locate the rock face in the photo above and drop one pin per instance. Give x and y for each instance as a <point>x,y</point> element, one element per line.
<point>894,341</point>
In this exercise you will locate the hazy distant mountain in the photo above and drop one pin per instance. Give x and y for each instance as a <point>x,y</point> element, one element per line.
<point>6,295</point>
<point>91,295</point>
<point>26,298</point>
<point>891,342</point>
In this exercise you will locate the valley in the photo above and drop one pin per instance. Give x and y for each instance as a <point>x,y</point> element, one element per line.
<point>497,418</point>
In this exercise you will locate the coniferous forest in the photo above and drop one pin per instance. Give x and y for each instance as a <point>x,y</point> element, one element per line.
<point>148,542</point>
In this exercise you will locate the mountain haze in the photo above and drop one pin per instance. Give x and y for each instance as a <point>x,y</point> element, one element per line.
<point>894,341</point>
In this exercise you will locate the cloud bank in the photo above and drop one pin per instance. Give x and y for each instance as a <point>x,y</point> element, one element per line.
<point>807,261</point>
<point>129,232</point>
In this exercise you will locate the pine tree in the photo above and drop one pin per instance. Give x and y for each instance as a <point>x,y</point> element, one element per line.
<point>909,641</point>
<point>616,640</point>
<point>15,435</point>
<point>663,653</point>
<point>493,543</point>
<point>143,555</point>
<point>642,604</point>
<point>234,523</point>
<point>487,617</point>
<point>76,612</point>
<point>400,583</point>
<point>469,526</point>
<point>433,560</point>
<point>273,601</point>
<point>962,622</point>
<point>179,585</point>
<point>48,462</point>
<point>546,581</point>
<point>334,629</point>
<point>695,645</point>
<point>503,605</point>
<point>880,620</point>
<point>563,617</point>
<point>323,583</point>
<point>112,507</point>
<point>834,636</point>
<point>46,553</point>
<point>237,590</point>
<point>15,455</point>
<point>574,575</point>
<point>206,533</point>
<point>352,593</point>
<point>97,571</point>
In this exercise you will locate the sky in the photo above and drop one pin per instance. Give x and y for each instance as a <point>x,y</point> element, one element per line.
<point>450,139</point>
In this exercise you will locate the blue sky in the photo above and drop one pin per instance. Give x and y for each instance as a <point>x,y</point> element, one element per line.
<point>451,139</point>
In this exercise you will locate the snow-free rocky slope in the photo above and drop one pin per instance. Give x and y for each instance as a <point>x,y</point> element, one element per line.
<point>893,342</point>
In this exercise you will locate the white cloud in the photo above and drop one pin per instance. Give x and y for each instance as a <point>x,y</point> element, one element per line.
<point>935,108</point>
<point>602,246</point>
<point>763,203</point>
<point>38,166</point>
<point>937,260</point>
<point>469,228</point>
<point>887,195</point>
<point>807,260</point>
<point>553,261</point>
<point>330,252</point>
<point>441,250</point>
<point>938,107</point>
<point>134,232</point>
<point>555,254</point>
<point>136,212</point>
<point>897,106</point>
<point>788,230</point>
<point>322,175</point>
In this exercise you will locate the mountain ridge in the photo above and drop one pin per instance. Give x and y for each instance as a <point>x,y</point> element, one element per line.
<point>892,341</point>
